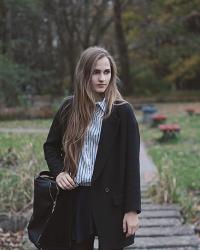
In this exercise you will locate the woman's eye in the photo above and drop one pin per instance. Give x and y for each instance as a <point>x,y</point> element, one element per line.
<point>95,72</point>
<point>106,72</point>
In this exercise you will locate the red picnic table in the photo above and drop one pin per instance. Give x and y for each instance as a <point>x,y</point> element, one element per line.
<point>193,111</point>
<point>190,110</point>
<point>158,119</point>
<point>170,130</point>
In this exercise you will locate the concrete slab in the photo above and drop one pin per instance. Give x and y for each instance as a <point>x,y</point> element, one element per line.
<point>165,231</point>
<point>148,207</point>
<point>160,214</point>
<point>162,222</point>
<point>167,242</point>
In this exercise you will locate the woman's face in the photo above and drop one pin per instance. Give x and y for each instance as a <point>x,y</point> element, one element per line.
<point>101,77</point>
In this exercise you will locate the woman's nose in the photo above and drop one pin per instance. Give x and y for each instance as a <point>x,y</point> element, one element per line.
<point>101,77</point>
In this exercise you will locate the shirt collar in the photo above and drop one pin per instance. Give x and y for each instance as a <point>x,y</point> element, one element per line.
<point>102,104</point>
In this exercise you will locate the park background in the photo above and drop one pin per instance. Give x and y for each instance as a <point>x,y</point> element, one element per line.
<point>156,46</point>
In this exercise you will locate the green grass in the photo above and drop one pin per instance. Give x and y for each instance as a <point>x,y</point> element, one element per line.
<point>37,123</point>
<point>21,158</point>
<point>21,142</point>
<point>178,162</point>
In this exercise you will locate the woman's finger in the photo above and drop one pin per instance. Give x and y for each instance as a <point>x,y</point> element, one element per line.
<point>68,183</point>
<point>60,185</point>
<point>131,230</point>
<point>124,225</point>
<point>70,180</point>
<point>65,185</point>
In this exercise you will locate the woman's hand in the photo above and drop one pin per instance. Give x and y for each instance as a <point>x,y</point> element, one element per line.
<point>130,223</point>
<point>65,181</point>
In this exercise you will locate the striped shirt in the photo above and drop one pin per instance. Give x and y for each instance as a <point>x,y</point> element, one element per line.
<point>90,146</point>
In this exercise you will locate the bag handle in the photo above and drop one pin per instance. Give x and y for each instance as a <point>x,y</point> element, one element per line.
<point>46,173</point>
<point>49,176</point>
<point>54,200</point>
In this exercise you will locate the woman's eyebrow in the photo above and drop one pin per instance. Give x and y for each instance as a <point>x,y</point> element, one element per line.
<point>102,70</point>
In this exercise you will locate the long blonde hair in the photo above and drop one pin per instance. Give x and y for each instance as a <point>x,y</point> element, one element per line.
<point>83,104</point>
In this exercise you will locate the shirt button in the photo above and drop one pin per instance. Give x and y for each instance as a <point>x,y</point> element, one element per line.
<point>107,189</point>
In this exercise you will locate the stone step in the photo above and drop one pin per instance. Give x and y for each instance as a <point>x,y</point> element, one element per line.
<point>164,242</point>
<point>160,207</point>
<point>162,222</point>
<point>160,214</point>
<point>164,231</point>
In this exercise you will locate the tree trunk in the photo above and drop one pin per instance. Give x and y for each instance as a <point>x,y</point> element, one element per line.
<point>122,49</point>
<point>5,24</point>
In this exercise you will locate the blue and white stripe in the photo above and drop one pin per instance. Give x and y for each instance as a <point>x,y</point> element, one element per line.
<point>90,146</point>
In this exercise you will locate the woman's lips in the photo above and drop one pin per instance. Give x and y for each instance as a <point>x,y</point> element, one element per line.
<point>101,85</point>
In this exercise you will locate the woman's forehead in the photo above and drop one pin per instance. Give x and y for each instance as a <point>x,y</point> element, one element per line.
<point>103,63</point>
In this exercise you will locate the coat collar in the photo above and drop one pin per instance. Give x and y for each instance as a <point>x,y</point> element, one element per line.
<point>102,104</point>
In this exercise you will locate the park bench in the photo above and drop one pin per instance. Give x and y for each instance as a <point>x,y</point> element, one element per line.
<point>169,130</point>
<point>158,119</point>
<point>190,110</point>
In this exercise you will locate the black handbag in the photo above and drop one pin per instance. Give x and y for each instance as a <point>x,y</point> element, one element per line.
<point>46,193</point>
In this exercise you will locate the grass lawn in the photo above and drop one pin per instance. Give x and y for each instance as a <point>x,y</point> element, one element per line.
<point>37,123</point>
<point>178,162</point>
<point>21,157</point>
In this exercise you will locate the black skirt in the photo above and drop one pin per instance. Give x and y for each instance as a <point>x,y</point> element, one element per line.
<point>83,222</point>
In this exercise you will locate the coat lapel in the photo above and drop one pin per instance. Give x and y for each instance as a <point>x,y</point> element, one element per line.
<point>108,133</point>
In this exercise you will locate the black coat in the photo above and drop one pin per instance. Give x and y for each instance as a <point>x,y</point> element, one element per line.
<point>115,180</point>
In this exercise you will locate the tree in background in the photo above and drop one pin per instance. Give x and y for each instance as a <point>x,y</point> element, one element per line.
<point>45,38</point>
<point>163,38</point>
<point>78,25</point>
<point>155,43</point>
<point>122,47</point>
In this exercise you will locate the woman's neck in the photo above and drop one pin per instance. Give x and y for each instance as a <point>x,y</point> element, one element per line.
<point>99,97</point>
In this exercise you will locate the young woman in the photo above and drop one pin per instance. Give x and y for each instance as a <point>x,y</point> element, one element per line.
<point>93,151</point>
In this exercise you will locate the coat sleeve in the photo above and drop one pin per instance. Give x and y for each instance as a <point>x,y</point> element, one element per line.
<point>53,144</point>
<point>132,182</point>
